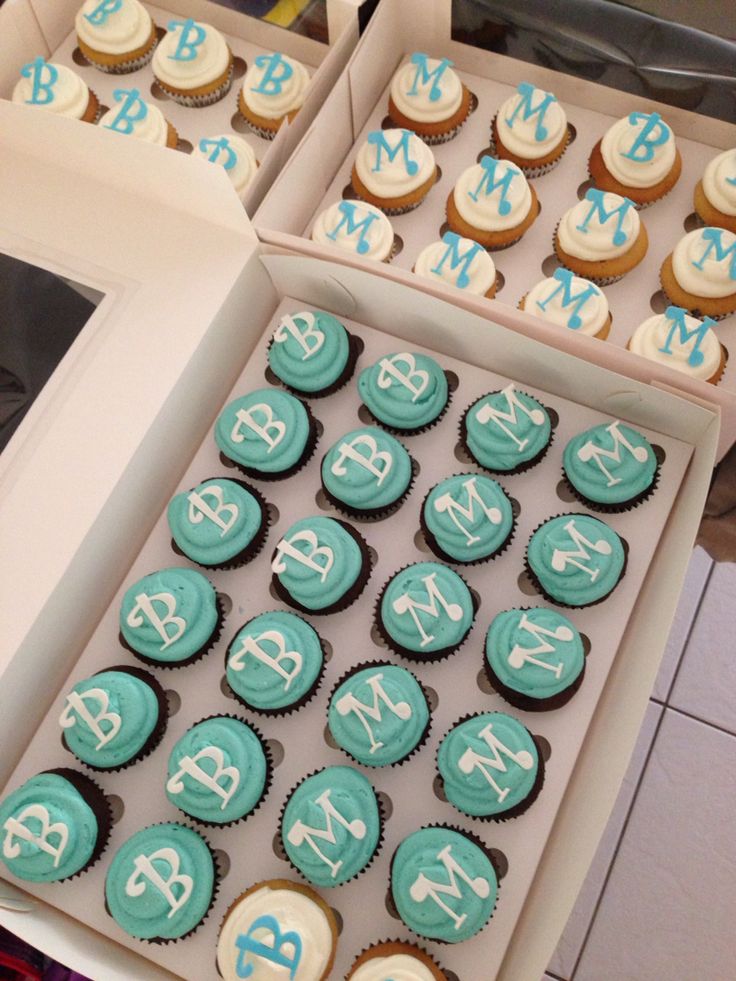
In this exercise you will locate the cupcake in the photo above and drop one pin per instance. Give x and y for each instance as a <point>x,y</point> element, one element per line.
<point>54,826</point>
<point>610,467</point>
<point>219,771</point>
<point>274,88</point>
<point>601,238</point>
<point>428,98</point>
<point>331,826</point>
<point>406,392</point>
<point>425,612</point>
<point>219,524</point>
<point>312,353</point>
<point>378,714</point>
<point>275,925</point>
<point>684,343</point>
<point>395,959</point>
<point>193,63</point>
<point>275,663</point>
<point>268,434</point>
<point>467,518</point>
<point>355,227</point>
<point>531,130</point>
<point>506,431</point>
<point>534,658</point>
<point>575,560</point>
<point>115,37</point>
<point>233,154</point>
<point>134,117</point>
<point>57,89</point>
<point>321,565</point>
<point>115,718</point>
<point>569,301</point>
<point>366,473</point>
<point>444,884</point>
<point>458,262</point>
<point>139,887</point>
<point>490,766</point>
<point>715,194</point>
<point>492,203</point>
<point>700,274</point>
<point>637,159</point>
<point>394,170</point>
<point>170,618</point>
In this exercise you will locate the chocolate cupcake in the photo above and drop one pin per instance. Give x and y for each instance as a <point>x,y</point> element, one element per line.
<point>610,467</point>
<point>506,431</point>
<point>367,473</point>
<point>312,353</point>
<point>467,518</point>
<point>405,392</point>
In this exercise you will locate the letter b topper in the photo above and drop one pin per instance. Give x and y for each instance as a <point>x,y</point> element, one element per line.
<point>191,38</point>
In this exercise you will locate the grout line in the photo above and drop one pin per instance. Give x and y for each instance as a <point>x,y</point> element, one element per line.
<point>704,722</point>
<point>689,634</point>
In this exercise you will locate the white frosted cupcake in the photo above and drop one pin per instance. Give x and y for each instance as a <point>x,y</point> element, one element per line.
<point>715,194</point>
<point>233,154</point>
<point>56,88</point>
<point>459,262</point>
<point>116,37</point>
<point>700,273</point>
<point>531,130</point>
<point>394,170</point>
<point>193,63</point>
<point>355,227</point>
<point>428,98</point>
<point>684,343</point>
<point>637,158</point>
<point>492,203</point>
<point>273,89</point>
<point>569,301</point>
<point>132,116</point>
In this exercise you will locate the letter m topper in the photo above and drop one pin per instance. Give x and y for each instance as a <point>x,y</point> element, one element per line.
<point>496,174</point>
<point>528,110</point>
<point>349,218</point>
<point>713,237</point>
<point>677,319</point>
<point>425,77</point>
<point>569,299</point>
<point>457,259</point>
<point>379,140</point>
<point>597,200</point>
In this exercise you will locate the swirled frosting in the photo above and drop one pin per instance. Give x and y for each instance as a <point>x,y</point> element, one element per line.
<point>601,226</point>
<point>406,391</point>
<point>506,429</point>
<point>232,153</point>
<point>52,87</point>
<point>458,261</point>
<point>639,150</point>
<point>394,162</point>
<point>190,55</point>
<point>134,117</point>
<point>341,800</point>
<point>367,469</point>
<point>577,559</point>
<point>695,352</point>
<point>610,463</point>
<point>113,28</point>
<point>569,301</point>
<point>469,516</point>
<point>357,227</point>
<point>531,123</point>
<point>396,967</point>
<point>309,350</point>
<point>704,262</point>
<point>275,85</point>
<point>214,521</point>
<point>719,182</point>
<point>266,431</point>
<point>426,90</point>
<point>493,195</point>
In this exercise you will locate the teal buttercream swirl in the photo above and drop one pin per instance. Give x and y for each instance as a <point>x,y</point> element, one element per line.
<point>331,825</point>
<point>309,351</point>
<point>367,469</point>
<point>440,857</point>
<point>274,661</point>
<point>406,391</point>
<point>488,764</point>
<point>214,521</point>
<point>538,653</point>
<point>107,719</point>
<point>577,559</point>
<point>427,608</point>
<point>48,831</point>
<point>610,464</point>
<point>469,516</point>
<point>169,615</point>
<point>217,771</point>
<point>266,431</point>
<point>506,429</point>
<point>160,882</point>
<point>379,714</point>
<point>317,561</point>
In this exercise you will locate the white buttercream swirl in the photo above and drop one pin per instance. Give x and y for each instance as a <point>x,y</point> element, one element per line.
<point>153,128</point>
<point>650,338</point>
<point>390,178</point>
<point>719,182</point>
<point>395,967</point>
<point>549,292</point>
<point>70,93</point>
<point>332,227</point>
<point>714,278</point>
<point>122,30</point>
<point>245,166</point>
<point>414,100</point>
<point>480,271</point>
<point>211,61</point>
<point>282,98</point>
<point>594,240</point>
<point>619,140</point>
<point>483,210</point>
<point>522,136</point>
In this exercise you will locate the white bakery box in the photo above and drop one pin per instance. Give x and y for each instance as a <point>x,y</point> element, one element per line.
<point>29,28</point>
<point>318,175</point>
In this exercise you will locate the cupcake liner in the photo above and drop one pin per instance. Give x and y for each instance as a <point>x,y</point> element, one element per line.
<point>377,514</point>
<point>526,703</point>
<point>382,948</point>
<point>199,101</point>
<point>98,801</point>
<point>309,448</point>
<point>627,505</point>
<point>355,349</point>
<point>522,467</point>
<point>124,67</point>
<point>205,649</point>
<point>421,429</point>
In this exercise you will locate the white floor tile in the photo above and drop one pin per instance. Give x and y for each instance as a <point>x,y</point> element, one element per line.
<point>706,682</point>
<point>571,942</point>
<point>668,908</point>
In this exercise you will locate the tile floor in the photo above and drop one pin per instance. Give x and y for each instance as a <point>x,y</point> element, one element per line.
<point>659,902</point>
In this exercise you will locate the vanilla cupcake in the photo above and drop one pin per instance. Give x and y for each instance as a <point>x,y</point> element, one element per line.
<point>684,343</point>
<point>394,170</point>
<point>56,88</point>
<point>355,227</point>
<point>233,154</point>
<point>274,89</point>
<point>134,117</point>
<point>458,262</point>
<point>492,203</point>
<point>531,130</point>
<point>569,301</point>
<point>193,63</point>
<point>700,274</point>
<point>715,194</point>
<point>601,238</point>
<point>116,37</point>
<point>428,98</point>
<point>637,158</point>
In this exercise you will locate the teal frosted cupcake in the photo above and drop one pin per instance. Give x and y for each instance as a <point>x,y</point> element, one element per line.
<point>331,826</point>
<point>425,612</point>
<point>115,718</point>
<point>312,353</point>
<point>490,766</point>
<point>275,663</point>
<point>54,826</point>
<point>219,771</point>
<point>610,467</point>
<point>379,714</point>
<point>141,876</point>
<point>467,518</point>
<point>321,565</point>
<point>219,524</point>
<point>444,884</point>
<point>367,473</point>
<point>506,431</point>
<point>405,392</point>
<point>170,618</point>
<point>268,434</point>
<point>575,560</point>
<point>534,658</point>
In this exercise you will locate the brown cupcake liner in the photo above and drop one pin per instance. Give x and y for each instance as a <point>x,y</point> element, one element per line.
<point>526,703</point>
<point>193,658</point>
<point>382,948</point>
<point>199,101</point>
<point>522,467</point>
<point>307,454</point>
<point>355,349</point>
<point>373,514</point>
<point>99,803</point>
<point>627,505</point>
